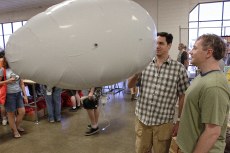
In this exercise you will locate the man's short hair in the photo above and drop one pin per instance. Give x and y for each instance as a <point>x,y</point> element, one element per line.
<point>214,42</point>
<point>168,36</point>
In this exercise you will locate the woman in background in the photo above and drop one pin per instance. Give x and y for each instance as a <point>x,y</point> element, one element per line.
<point>14,99</point>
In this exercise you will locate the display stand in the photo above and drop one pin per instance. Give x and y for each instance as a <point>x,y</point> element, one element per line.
<point>34,99</point>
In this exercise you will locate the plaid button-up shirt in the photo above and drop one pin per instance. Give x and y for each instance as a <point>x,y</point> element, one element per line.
<point>159,91</point>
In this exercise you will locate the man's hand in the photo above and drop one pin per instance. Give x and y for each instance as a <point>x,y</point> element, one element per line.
<point>132,81</point>
<point>175,129</point>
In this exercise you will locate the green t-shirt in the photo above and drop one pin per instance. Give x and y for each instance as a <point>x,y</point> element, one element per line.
<point>206,101</point>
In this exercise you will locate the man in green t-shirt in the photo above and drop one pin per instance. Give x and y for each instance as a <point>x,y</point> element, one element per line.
<point>205,114</point>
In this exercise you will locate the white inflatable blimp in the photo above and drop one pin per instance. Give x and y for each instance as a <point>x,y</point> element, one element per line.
<point>79,44</point>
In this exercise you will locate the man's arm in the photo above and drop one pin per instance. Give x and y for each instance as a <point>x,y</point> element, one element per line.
<point>207,138</point>
<point>132,81</point>
<point>181,104</point>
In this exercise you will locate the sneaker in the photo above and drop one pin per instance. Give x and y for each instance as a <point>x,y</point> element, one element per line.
<point>58,120</point>
<point>4,122</point>
<point>73,109</point>
<point>92,131</point>
<point>79,107</point>
<point>51,121</point>
<point>89,126</point>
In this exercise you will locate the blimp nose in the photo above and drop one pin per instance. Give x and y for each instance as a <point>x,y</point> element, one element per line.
<point>79,44</point>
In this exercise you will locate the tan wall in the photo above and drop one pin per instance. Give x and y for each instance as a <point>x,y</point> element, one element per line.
<point>20,16</point>
<point>151,7</point>
<point>169,15</point>
<point>175,13</point>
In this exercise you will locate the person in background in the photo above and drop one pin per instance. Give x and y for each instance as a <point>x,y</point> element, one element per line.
<point>183,56</point>
<point>3,110</point>
<point>3,115</point>
<point>181,50</point>
<point>38,90</point>
<point>53,103</point>
<point>75,100</point>
<point>161,84</point>
<point>14,99</point>
<point>205,115</point>
<point>134,92</point>
<point>91,104</point>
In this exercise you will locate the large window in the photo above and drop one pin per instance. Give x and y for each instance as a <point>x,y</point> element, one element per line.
<point>211,17</point>
<point>6,29</point>
<point>210,11</point>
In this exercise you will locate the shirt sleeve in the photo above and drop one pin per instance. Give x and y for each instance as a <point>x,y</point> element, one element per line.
<point>214,106</point>
<point>183,81</point>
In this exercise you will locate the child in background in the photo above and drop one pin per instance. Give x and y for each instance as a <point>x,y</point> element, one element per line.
<point>75,100</point>
<point>91,104</point>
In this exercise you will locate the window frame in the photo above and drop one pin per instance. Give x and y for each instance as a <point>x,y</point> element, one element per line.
<point>223,29</point>
<point>5,35</point>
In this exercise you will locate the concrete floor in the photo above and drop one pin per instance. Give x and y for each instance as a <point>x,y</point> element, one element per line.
<point>68,136</point>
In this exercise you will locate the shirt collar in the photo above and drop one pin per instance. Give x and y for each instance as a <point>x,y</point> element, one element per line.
<point>204,74</point>
<point>168,61</point>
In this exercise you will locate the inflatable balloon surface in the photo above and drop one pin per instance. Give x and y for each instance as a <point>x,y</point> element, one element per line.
<point>78,44</point>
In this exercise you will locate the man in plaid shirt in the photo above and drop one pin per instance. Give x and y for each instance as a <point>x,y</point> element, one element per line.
<point>162,82</point>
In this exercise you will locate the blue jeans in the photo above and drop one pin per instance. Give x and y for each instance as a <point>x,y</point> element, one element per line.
<point>53,103</point>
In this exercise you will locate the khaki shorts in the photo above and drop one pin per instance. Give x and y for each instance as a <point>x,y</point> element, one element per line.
<point>156,137</point>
